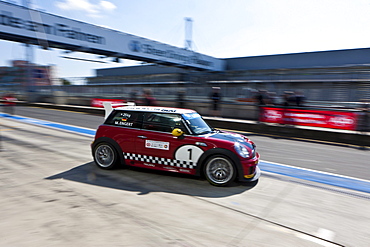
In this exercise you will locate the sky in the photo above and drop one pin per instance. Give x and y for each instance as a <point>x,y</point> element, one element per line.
<point>220,28</point>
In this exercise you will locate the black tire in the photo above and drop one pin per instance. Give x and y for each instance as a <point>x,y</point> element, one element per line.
<point>105,156</point>
<point>219,170</point>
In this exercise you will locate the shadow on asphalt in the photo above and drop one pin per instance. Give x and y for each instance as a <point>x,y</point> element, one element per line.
<point>145,181</point>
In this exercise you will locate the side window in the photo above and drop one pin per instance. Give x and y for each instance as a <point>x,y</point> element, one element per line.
<point>125,119</point>
<point>164,122</point>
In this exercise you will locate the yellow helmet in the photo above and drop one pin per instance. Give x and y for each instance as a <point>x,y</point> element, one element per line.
<point>177,132</point>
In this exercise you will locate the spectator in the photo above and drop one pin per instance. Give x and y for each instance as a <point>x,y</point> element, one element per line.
<point>149,100</point>
<point>133,96</point>
<point>181,99</point>
<point>363,124</point>
<point>299,98</point>
<point>262,99</point>
<point>289,98</point>
<point>274,99</point>
<point>215,97</point>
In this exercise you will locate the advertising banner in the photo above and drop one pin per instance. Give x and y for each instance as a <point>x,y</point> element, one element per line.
<point>99,102</point>
<point>306,117</point>
<point>25,25</point>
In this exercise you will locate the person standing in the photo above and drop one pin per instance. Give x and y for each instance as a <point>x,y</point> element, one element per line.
<point>149,100</point>
<point>181,99</point>
<point>215,97</point>
<point>133,96</point>
<point>300,98</point>
<point>262,100</point>
<point>289,99</point>
<point>363,123</point>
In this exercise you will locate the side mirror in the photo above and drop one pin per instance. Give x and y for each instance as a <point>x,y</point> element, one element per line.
<point>177,132</point>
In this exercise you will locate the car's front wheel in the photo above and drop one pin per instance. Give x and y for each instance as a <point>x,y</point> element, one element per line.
<point>105,156</point>
<point>219,170</point>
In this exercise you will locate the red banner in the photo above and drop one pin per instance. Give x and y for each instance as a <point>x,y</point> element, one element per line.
<point>99,102</point>
<point>315,118</point>
<point>9,100</point>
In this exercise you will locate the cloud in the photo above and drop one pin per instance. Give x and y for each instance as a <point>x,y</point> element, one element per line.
<point>107,5</point>
<point>93,10</point>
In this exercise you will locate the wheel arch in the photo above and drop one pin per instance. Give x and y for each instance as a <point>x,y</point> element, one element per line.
<point>113,143</point>
<point>219,151</point>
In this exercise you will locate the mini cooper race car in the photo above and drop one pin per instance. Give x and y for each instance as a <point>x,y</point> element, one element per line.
<point>176,140</point>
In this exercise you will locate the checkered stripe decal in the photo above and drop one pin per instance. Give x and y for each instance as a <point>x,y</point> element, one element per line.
<point>161,161</point>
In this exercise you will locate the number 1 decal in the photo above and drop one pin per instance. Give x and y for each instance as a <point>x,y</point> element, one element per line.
<point>189,153</point>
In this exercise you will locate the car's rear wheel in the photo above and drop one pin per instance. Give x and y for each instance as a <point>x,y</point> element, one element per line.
<point>219,170</point>
<point>105,156</point>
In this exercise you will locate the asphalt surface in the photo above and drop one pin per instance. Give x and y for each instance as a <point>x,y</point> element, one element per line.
<point>346,160</point>
<point>52,194</point>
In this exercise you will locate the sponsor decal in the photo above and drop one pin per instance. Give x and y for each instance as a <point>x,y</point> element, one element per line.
<point>151,165</point>
<point>125,116</point>
<point>168,110</point>
<point>136,46</point>
<point>169,168</point>
<point>341,120</point>
<point>272,115</point>
<point>157,145</point>
<point>123,123</point>
<point>315,118</point>
<point>57,29</point>
<point>184,170</point>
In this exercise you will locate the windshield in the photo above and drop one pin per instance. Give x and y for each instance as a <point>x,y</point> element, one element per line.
<point>196,123</point>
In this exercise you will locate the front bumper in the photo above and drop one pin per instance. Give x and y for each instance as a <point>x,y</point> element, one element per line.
<point>250,178</point>
<point>251,171</point>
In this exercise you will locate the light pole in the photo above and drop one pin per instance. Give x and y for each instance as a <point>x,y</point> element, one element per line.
<point>188,33</point>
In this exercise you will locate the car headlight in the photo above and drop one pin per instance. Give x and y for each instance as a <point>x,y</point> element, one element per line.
<point>241,150</point>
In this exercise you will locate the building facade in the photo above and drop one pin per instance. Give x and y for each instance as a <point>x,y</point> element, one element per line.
<point>342,75</point>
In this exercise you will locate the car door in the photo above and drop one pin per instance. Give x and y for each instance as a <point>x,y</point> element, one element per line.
<point>161,150</point>
<point>124,127</point>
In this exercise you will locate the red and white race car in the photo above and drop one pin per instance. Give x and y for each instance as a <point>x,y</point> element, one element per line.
<point>176,140</point>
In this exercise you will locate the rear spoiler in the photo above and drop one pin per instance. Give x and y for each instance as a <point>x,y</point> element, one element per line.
<point>109,107</point>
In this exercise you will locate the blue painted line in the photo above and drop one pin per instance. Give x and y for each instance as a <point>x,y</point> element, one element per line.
<point>296,172</point>
<point>316,176</point>
<point>69,128</point>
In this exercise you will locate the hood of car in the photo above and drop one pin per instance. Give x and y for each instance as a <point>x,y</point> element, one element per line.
<point>231,137</point>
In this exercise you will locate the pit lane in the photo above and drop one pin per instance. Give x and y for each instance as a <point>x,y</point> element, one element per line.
<point>53,193</point>
<point>345,160</point>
